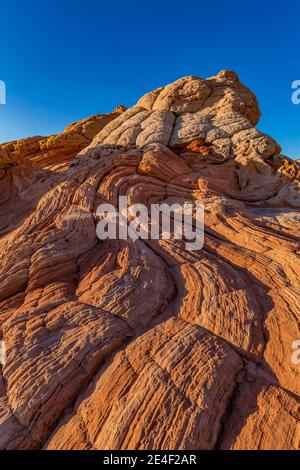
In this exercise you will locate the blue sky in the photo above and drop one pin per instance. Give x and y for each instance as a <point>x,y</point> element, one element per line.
<point>64,60</point>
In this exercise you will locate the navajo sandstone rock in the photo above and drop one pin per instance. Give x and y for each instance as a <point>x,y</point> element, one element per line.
<point>145,345</point>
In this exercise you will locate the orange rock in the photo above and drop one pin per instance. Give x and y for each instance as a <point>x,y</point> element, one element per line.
<point>146,345</point>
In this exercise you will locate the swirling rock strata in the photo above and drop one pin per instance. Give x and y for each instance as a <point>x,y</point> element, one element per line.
<point>145,345</point>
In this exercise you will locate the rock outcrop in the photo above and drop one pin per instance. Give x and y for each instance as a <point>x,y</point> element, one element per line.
<point>118,344</point>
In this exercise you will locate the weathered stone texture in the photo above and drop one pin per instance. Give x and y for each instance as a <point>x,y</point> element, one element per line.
<point>146,345</point>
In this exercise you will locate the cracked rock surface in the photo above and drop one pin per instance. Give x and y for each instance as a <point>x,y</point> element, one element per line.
<point>118,344</point>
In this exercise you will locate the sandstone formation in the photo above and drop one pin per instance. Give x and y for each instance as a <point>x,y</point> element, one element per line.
<point>118,344</point>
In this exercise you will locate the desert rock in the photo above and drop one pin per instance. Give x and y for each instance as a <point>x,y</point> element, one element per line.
<point>118,344</point>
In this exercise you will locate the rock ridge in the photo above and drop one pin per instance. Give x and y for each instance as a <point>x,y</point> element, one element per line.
<point>120,345</point>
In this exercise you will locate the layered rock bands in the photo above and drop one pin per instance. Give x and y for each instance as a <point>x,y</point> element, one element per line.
<point>118,344</point>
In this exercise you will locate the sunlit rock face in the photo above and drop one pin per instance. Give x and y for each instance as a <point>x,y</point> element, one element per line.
<point>118,344</point>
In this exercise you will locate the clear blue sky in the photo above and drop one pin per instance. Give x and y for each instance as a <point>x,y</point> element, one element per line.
<point>63,60</point>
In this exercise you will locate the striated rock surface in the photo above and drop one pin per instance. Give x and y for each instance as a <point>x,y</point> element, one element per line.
<point>118,344</point>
